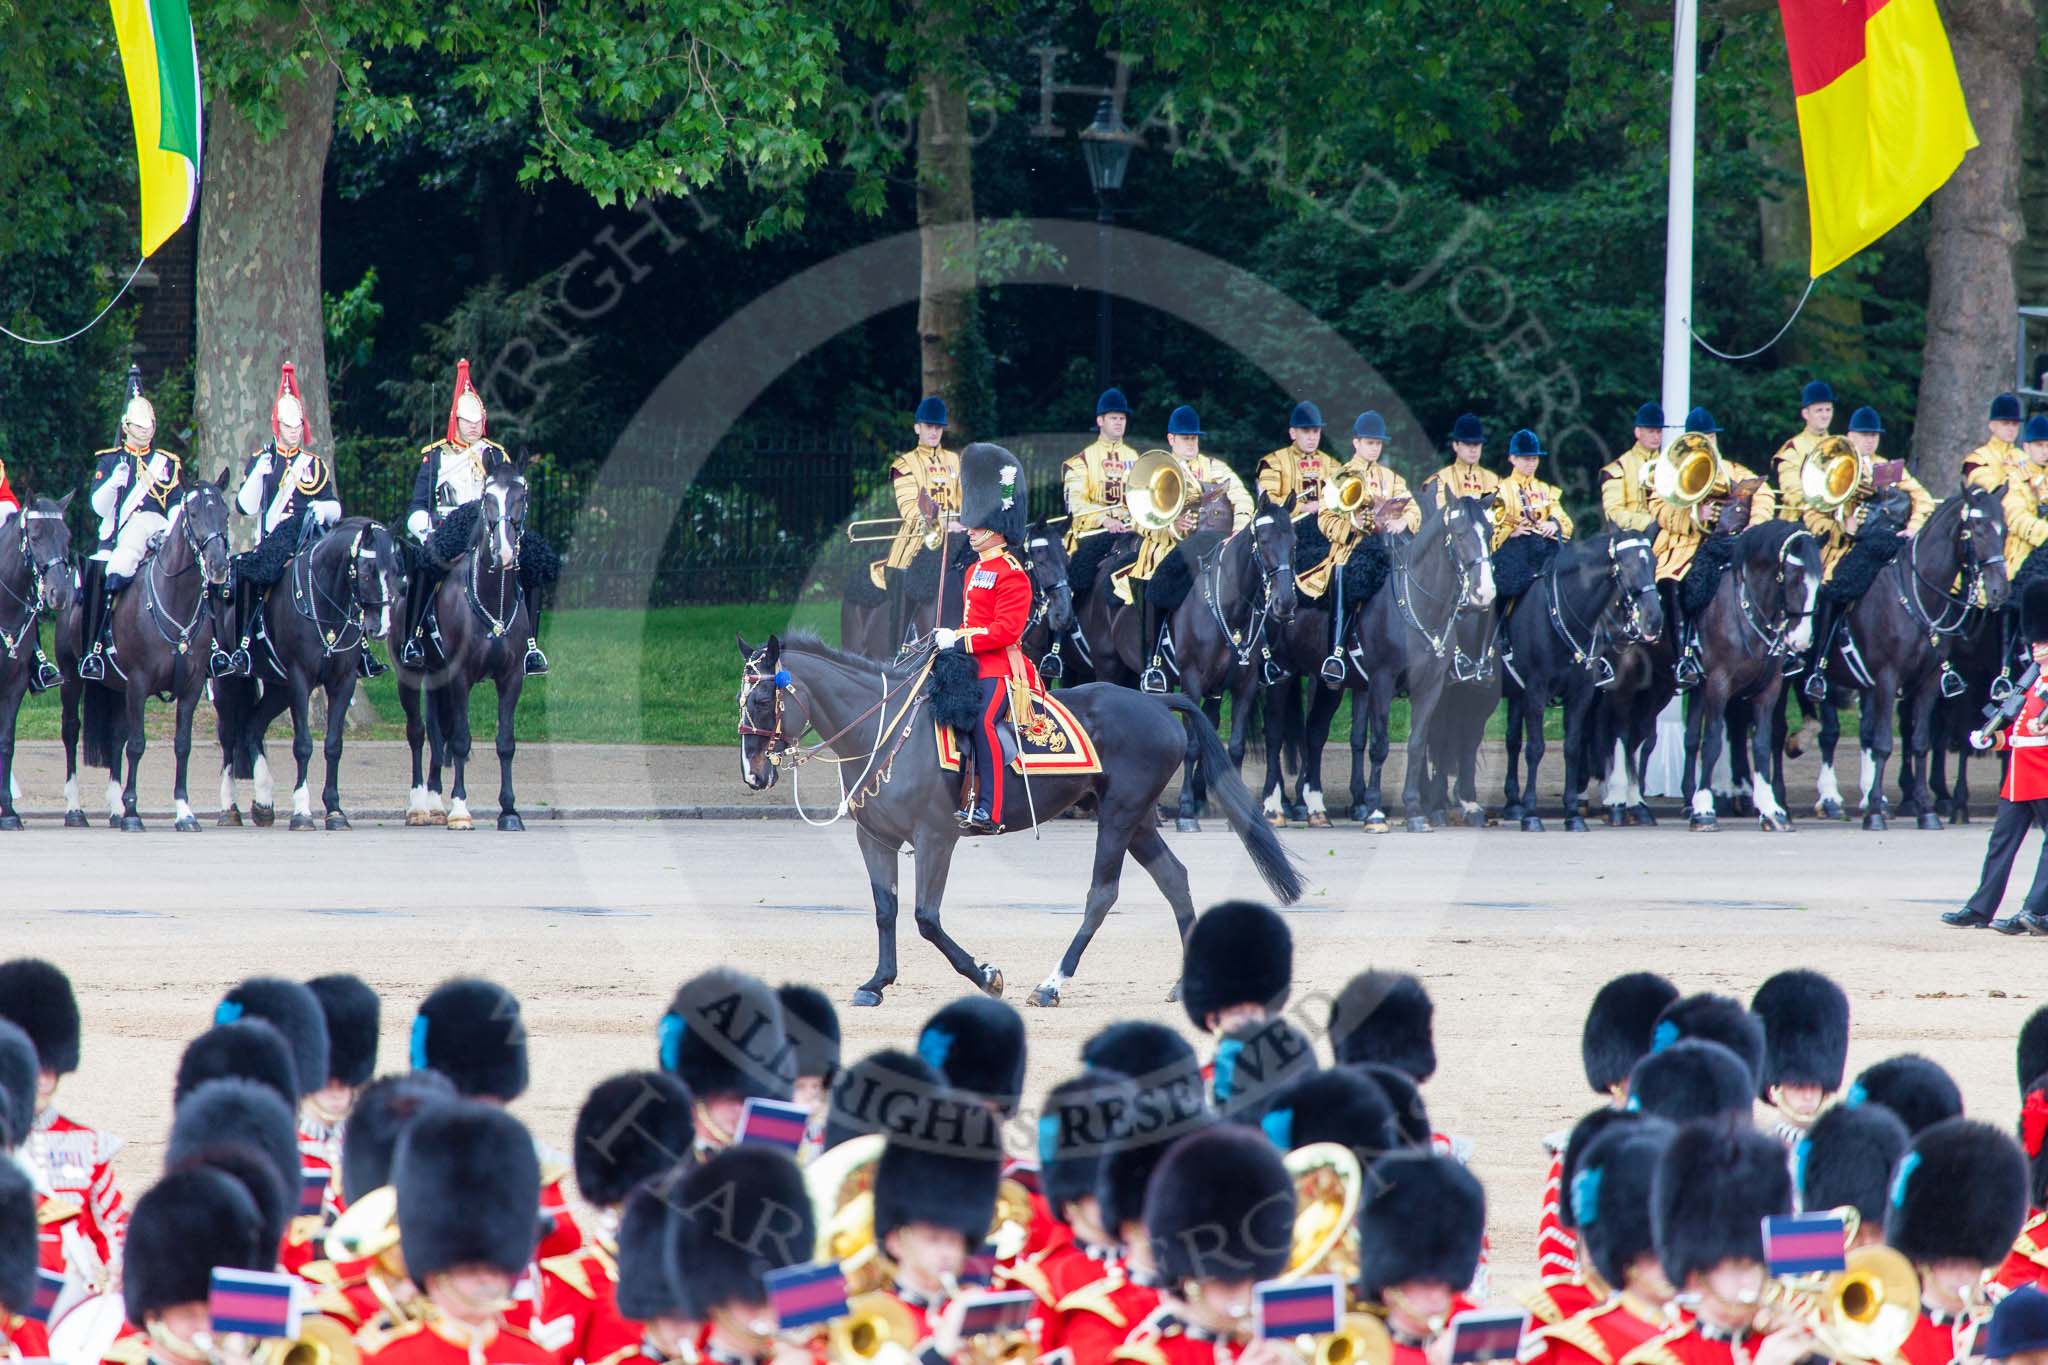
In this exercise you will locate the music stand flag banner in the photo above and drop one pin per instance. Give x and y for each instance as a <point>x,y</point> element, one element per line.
<point>160,62</point>
<point>1804,1244</point>
<point>805,1294</point>
<point>1882,123</point>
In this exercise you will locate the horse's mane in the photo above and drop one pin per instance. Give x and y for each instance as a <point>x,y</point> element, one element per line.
<point>807,642</point>
<point>1768,535</point>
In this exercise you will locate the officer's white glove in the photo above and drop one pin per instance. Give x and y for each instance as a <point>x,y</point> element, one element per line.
<point>263,465</point>
<point>1980,740</point>
<point>421,525</point>
<point>945,637</point>
<point>119,478</point>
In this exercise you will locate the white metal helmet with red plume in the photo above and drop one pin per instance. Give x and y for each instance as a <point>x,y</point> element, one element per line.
<point>466,404</point>
<point>288,407</point>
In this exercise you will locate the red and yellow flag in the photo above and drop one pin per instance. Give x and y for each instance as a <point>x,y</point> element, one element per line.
<point>1881,116</point>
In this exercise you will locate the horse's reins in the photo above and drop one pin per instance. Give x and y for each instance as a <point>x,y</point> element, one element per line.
<point>1773,641</point>
<point>1261,607</point>
<point>1582,653</point>
<point>1405,584</point>
<point>32,604</point>
<point>152,598</point>
<point>779,748</point>
<point>351,612</point>
<point>1973,579</point>
<point>474,587</point>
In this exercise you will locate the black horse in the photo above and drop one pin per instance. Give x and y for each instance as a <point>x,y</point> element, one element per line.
<point>336,596</point>
<point>872,715</point>
<point>881,622</point>
<point>1974,654</point>
<point>480,622</point>
<point>162,629</point>
<point>35,580</point>
<point>1556,650</point>
<point>1233,590</point>
<point>1405,639</point>
<point>1052,599</point>
<point>1761,611</point>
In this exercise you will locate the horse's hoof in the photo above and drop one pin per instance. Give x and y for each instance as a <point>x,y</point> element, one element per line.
<point>1575,824</point>
<point>1945,807</point>
<point>263,817</point>
<point>1642,814</point>
<point>1829,809</point>
<point>231,818</point>
<point>1375,826</point>
<point>1961,816</point>
<point>10,821</point>
<point>437,817</point>
<point>419,819</point>
<point>1186,824</point>
<point>510,822</point>
<point>1774,824</point>
<point>1929,820</point>
<point>1418,825</point>
<point>186,824</point>
<point>338,820</point>
<point>113,822</point>
<point>1297,811</point>
<point>132,824</point>
<point>1616,817</point>
<point>1875,821</point>
<point>1318,819</point>
<point>461,822</point>
<point>1361,812</point>
<point>991,981</point>
<point>1173,992</point>
<point>1706,824</point>
<point>75,819</point>
<point>1476,819</point>
<point>1438,819</point>
<point>303,822</point>
<point>1532,824</point>
<point>1277,819</point>
<point>865,998</point>
<point>1043,998</point>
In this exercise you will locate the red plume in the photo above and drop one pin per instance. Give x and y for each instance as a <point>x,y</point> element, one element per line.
<point>2034,1122</point>
<point>287,383</point>
<point>462,386</point>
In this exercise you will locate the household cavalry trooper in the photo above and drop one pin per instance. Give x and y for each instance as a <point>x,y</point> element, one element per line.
<point>1879,521</point>
<point>1681,530</point>
<point>1386,506</point>
<point>451,474</point>
<point>1529,521</point>
<point>1625,480</point>
<point>1992,464</point>
<point>1184,440</point>
<point>1093,480</point>
<point>1299,469</point>
<point>134,487</point>
<point>1817,412</point>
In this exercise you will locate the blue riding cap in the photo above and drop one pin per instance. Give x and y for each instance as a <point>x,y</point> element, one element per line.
<point>1701,422</point>
<point>1307,416</point>
<point>1112,400</point>
<point>2037,428</point>
<point>2006,408</point>
<point>1865,419</point>
<point>932,410</point>
<point>1650,415</point>
<point>1468,430</point>
<point>1524,444</point>
<point>1816,391</point>
<point>1184,422</point>
<point>1370,426</point>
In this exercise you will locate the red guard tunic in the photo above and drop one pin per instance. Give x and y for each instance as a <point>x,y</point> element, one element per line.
<point>77,1164</point>
<point>576,1309</point>
<point>1600,1335</point>
<point>1164,1339</point>
<point>1558,1297</point>
<point>2026,773</point>
<point>1689,1345</point>
<point>1056,1275</point>
<point>1556,1252</point>
<point>432,1343</point>
<point>23,1337</point>
<point>1100,1316</point>
<point>1939,1338</point>
<point>997,595</point>
<point>2027,1262</point>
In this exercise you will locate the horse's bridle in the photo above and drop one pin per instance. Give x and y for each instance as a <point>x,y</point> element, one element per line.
<point>159,615</point>
<point>778,741</point>
<point>1971,572</point>
<point>1773,641</point>
<point>500,622</point>
<point>1405,585</point>
<point>1260,606</point>
<point>1632,614</point>
<point>307,597</point>
<point>38,579</point>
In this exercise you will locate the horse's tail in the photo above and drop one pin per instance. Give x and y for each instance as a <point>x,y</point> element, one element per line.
<point>1240,807</point>
<point>103,713</point>
<point>234,703</point>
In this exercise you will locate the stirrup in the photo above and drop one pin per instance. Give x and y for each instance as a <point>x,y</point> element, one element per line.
<point>45,676</point>
<point>2001,687</point>
<point>1952,684</point>
<point>1603,673</point>
<point>1050,666</point>
<point>241,662</point>
<point>93,667</point>
<point>368,665</point>
<point>1333,669</point>
<point>1152,680</point>
<point>535,662</point>
<point>1816,685</point>
<point>219,663</point>
<point>1271,673</point>
<point>413,654</point>
<point>1687,671</point>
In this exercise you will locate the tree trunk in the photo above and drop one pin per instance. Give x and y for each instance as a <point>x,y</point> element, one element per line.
<point>2031,265</point>
<point>1975,228</point>
<point>258,287</point>
<point>946,232</point>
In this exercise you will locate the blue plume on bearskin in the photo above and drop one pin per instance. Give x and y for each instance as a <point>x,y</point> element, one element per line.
<point>1703,578</point>
<point>264,565</point>
<point>1175,577</point>
<point>955,689</point>
<point>1517,563</point>
<point>539,566</point>
<point>455,535</point>
<point>1091,557</point>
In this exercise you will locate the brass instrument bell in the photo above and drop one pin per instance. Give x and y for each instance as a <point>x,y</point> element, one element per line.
<point>1159,490</point>
<point>876,1330</point>
<point>1329,1184</point>
<point>841,1182</point>
<point>1833,473</point>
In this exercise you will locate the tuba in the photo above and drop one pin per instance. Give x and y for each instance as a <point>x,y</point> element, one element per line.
<point>1328,1187</point>
<point>841,1183</point>
<point>1158,490</point>
<point>877,1330</point>
<point>1833,474</point>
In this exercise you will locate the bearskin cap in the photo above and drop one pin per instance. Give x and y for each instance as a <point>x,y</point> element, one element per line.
<point>468,1182</point>
<point>1385,1017</point>
<point>471,1031</point>
<point>250,1116</point>
<point>1716,1018</point>
<point>1960,1195</point>
<point>977,1044</point>
<point>187,1223</point>
<point>1609,1195</point>
<point>1128,1166</point>
<point>36,995</point>
<point>645,1287</point>
<point>1846,1158</point>
<point>19,1073</point>
<point>248,1049</point>
<point>723,1034</point>
<point>1694,1079</point>
<point>353,1013</point>
<point>813,1028</point>
<point>1220,1207</point>
<point>1237,953</point>
<point>876,1094</point>
<point>384,1110</point>
<point>942,1169</point>
<point>1081,1119</point>
<point>1404,1097</point>
<point>18,1232</point>
<point>1591,1127</point>
<point>1423,1219</point>
<point>1806,1031</point>
<point>1255,1061</point>
<point>1914,1088</point>
<point>1714,1186</point>
<point>993,492</point>
<point>2032,1050</point>
<point>1158,1060</point>
<point>736,1217</point>
<point>632,1127</point>
<point>1338,1105</point>
<point>1619,1027</point>
<point>293,1011</point>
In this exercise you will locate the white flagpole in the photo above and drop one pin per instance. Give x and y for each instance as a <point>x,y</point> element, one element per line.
<point>1678,216</point>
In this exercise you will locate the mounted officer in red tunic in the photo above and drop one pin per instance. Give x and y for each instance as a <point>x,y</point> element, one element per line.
<point>998,606</point>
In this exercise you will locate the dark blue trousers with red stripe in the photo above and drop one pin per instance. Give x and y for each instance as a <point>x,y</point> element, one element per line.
<point>988,749</point>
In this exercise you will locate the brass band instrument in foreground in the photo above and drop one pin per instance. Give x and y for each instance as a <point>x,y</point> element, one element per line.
<point>1329,1185</point>
<point>1692,475</point>
<point>1159,490</point>
<point>887,528</point>
<point>1863,1312</point>
<point>1833,473</point>
<point>1347,492</point>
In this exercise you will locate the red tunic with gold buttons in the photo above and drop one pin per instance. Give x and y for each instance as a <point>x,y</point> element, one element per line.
<point>1099,1317</point>
<point>26,1337</point>
<point>2026,769</point>
<point>1164,1339</point>
<point>1600,1335</point>
<point>77,1164</point>
<point>1689,1345</point>
<point>1558,1297</point>
<point>2027,1262</point>
<point>434,1343</point>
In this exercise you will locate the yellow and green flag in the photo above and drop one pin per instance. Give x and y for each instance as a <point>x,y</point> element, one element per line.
<point>161,64</point>
<point>1882,123</point>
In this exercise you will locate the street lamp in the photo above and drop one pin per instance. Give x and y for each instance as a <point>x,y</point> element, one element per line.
<point>1106,145</point>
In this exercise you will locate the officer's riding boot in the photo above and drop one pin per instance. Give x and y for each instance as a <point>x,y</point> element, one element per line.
<point>536,662</point>
<point>248,614</point>
<point>968,780</point>
<point>99,620</point>
<point>1153,679</point>
<point>220,663</point>
<point>1825,621</point>
<point>413,653</point>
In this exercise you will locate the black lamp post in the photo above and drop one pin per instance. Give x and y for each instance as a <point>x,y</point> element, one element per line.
<point>1106,144</point>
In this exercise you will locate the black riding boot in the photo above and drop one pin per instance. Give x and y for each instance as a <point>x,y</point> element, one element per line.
<point>92,666</point>
<point>536,662</point>
<point>1686,669</point>
<point>418,592</point>
<point>1333,668</point>
<point>248,615</point>
<point>1826,619</point>
<point>1153,679</point>
<point>220,663</point>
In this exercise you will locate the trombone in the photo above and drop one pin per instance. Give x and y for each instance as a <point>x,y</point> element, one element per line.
<point>871,529</point>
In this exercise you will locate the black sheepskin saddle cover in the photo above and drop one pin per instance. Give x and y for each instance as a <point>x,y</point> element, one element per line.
<point>1366,570</point>
<point>1095,555</point>
<point>539,565</point>
<point>265,564</point>
<point>955,689</point>
<point>1703,576</point>
<point>1517,563</point>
